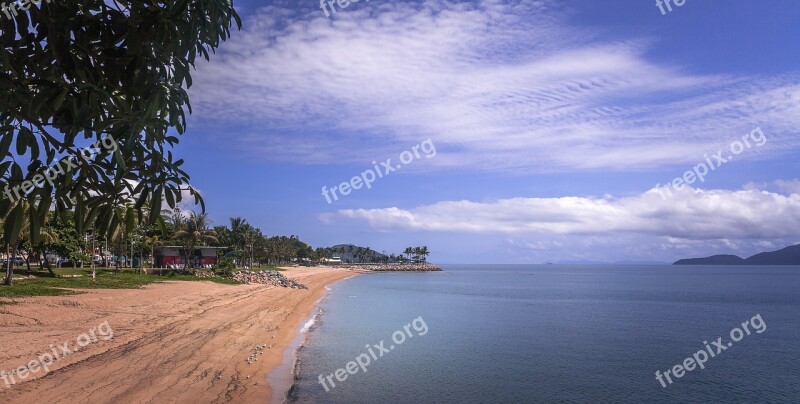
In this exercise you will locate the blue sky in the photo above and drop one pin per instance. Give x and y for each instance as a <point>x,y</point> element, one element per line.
<point>552,124</point>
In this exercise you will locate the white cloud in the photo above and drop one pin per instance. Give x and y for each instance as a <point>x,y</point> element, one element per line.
<point>497,85</point>
<point>791,186</point>
<point>688,215</point>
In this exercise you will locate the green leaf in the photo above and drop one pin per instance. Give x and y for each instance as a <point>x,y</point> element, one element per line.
<point>130,219</point>
<point>119,159</point>
<point>5,142</point>
<point>13,225</point>
<point>35,226</point>
<point>168,194</point>
<point>25,139</point>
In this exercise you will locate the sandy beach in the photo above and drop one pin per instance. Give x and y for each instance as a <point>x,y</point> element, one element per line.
<point>184,342</point>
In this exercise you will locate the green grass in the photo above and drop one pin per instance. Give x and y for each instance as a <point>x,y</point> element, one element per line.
<point>106,279</point>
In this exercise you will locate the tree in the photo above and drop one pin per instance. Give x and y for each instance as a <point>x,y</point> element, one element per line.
<point>195,233</point>
<point>46,236</point>
<point>12,240</point>
<point>249,237</point>
<point>111,74</point>
<point>153,239</point>
<point>424,253</point>
<point>408,252</point>
<point>238,228</point>
<point>224,236</point>
<point>67,241</point>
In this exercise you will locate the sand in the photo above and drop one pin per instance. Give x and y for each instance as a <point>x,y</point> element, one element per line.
<point>183,342</point>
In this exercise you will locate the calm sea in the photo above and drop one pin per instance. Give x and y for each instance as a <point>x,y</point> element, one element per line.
<point>553,333</point>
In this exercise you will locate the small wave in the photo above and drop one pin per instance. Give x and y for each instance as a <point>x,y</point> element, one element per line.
<point>307,326</point>
<point>311,322</point>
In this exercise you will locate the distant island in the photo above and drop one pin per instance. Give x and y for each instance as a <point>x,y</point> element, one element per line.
<point>787,256</point>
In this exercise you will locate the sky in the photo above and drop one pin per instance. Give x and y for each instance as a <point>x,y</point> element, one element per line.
<point>517,131</point>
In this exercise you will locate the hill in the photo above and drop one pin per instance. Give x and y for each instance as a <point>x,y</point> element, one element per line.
<point>712,260</point>
<point>350,253</point>
<point>787,256</point>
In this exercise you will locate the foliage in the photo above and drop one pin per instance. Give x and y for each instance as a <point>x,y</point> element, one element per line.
<point>226,265</point>
<point>193,233</point>
<point>83,71</point>
<point>350,253</point>
<point>417,253</point>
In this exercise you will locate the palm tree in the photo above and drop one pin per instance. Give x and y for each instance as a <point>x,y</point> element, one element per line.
<point>249,236</point>
<point>152,240</point>
<point>195,232</point>
<point>408,252</point>
<point>175,217</point>
<point>12,237</point>
<point>238,228</point>
<point>424,252</point>
<point>47,236</point>
<point>417,252</point>
<point>22,231</point>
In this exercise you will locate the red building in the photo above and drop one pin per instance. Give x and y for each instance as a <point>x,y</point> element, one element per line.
<point>164,256</point>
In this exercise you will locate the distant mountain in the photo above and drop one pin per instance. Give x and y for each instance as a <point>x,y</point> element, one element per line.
<point>712,260</point>
<point>352,254</point>
<point>787,256</point>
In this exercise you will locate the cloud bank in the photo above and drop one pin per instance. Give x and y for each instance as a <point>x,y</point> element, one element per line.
<point>690,214</point>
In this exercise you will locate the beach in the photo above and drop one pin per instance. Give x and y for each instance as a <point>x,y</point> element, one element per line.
<point>171,342</point>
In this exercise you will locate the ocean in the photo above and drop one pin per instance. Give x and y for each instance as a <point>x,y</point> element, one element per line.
<point>556,333</point>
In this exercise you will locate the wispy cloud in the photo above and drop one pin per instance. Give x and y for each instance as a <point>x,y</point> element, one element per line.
<point>497,84</point>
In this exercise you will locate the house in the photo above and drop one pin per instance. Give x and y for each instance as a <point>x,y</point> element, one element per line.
<point>164,256</point>
<point>332,261</point>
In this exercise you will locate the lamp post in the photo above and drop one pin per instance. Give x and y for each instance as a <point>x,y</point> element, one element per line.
<point>94,270</point>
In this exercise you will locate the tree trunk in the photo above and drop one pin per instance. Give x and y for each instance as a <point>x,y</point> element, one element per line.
<point>28,262</point>
<point>47,265</point>
<point>186,262</point>
<point>10,269</point>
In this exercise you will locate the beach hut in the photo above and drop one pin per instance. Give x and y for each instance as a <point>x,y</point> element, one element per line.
<point>173,256</point>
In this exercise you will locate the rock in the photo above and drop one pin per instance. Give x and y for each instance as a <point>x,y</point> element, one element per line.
<point>394,267</point>
<point>273,278</point>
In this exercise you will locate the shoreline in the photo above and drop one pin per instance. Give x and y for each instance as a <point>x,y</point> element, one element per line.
<point>291,354</point>
<point>175,341</point>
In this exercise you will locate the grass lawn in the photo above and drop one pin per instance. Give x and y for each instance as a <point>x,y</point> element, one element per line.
<point>106,279</point>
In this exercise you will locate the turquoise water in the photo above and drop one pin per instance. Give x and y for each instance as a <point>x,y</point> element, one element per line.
<point>557,334</point>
